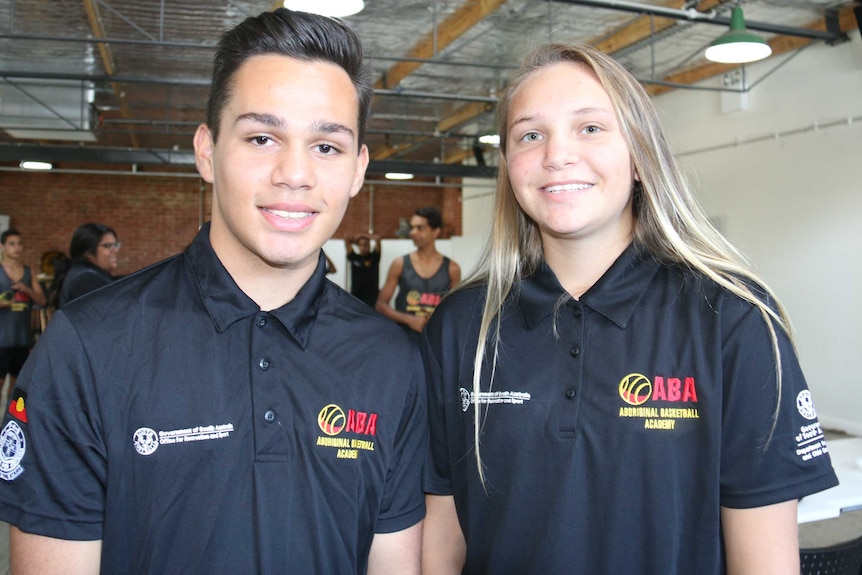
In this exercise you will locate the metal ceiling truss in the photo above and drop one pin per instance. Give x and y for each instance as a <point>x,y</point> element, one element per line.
<point>656,22</point>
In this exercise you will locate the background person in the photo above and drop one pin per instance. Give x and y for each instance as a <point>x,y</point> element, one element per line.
<point>363,255</point>
<point>229,410</point>
<point>615,391</point>
<point>19,291</point>
<point>422,277</point>
<point>92,262</point>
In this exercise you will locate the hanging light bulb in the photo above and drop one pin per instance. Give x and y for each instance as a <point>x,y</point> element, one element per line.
<point>737,45</point>
<point>336,8</point>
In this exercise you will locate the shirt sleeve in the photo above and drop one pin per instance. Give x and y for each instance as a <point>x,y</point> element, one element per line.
<point>437,477</point>
<point>773,449</point>
<point>53,468</point>
<point>403,500</point>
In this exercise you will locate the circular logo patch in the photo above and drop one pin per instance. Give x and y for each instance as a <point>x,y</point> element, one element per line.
<point>465,399</point>
<point>146,441</point>
<point>635,388</point>
<point>331,419</point>
<point>13,446</point>
<point>805,405</point>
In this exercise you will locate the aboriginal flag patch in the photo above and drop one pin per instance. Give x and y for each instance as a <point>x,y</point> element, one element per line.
<point>17,406</point>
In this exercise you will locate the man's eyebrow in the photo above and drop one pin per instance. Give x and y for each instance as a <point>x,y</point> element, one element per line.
<point>274,121</point>
<point>332,128</point>
<point>266,119</point>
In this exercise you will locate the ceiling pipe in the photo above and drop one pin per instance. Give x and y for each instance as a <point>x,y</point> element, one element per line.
<point>710,17</point>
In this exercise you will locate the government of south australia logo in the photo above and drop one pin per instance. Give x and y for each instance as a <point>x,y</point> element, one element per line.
<point>13,446</point>
<point>331,419</point>
<point>145,440</point>
<point>635,388</point>
<point>805,405</point>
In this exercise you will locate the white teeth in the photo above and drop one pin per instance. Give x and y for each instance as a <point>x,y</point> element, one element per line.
<point>290,215</point>
<point>567,188</point>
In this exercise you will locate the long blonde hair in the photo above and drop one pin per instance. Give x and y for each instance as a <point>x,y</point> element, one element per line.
<point>668,221</point>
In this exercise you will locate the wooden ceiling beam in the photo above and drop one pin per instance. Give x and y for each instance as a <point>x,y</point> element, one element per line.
<point>644,26</point>
<point>452,28</point>
<point>639,29</point>
<point>108,62</point>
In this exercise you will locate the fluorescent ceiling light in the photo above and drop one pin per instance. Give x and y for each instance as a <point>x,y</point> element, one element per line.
<point>31,165</point>
<point>737,45</point>
<point>398,176</point>
<point>490,139</point>
<point>336,8</point>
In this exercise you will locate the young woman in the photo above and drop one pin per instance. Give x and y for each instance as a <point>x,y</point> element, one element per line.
<point>615,391</point>
<point>93,261</point>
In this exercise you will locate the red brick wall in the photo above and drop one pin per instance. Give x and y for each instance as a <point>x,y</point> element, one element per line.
<point>392,202</point>
<point>155,217</point>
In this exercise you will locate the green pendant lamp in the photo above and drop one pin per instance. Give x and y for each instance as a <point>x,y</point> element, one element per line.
<point>737,45</point>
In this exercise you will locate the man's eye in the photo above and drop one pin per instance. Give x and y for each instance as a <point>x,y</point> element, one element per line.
<point>327,149</point>
<point>260,140</point>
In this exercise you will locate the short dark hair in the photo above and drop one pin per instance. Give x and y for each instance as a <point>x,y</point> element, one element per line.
<point>8,234</point>
<point>432,214</point>
<point>298,35</point>
<point>86,239</point>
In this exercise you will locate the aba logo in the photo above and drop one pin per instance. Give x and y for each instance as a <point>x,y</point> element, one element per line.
<point>332,421</point>
<point>415,298</point>
<point>635,388</point>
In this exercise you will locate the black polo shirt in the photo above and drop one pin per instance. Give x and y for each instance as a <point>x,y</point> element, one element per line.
<point>617,425</point>
<point>193,433</point>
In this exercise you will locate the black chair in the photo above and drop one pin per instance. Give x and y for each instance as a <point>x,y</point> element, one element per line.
<point>841,559</point>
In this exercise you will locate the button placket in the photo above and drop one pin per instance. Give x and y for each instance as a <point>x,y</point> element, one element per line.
<point>569,407</point>
<point>267,394</point>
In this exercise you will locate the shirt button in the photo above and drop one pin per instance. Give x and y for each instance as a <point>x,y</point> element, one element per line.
<point>269,416</point>
<point>575,351</point>
<point>261,322</point>
<point>578,312</point>
<point>570,393</point>
<point>263,363</point>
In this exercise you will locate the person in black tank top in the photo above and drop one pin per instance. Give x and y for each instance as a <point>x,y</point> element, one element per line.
<point>422,277</point>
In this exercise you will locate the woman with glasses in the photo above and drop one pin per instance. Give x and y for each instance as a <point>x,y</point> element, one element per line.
<point>93,252</point>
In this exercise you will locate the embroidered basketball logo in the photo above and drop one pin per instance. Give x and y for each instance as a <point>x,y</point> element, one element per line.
<point>635,388</point>
<point>331,419</point>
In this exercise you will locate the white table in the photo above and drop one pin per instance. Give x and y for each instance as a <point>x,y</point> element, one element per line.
<point>846,454</point>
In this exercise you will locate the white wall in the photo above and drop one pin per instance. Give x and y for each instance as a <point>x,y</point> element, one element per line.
<point>390,250</point>
<point>792,203</point>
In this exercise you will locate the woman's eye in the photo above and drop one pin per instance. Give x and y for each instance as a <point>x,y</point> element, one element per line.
<point>531,137</point>
<point>592,130</point>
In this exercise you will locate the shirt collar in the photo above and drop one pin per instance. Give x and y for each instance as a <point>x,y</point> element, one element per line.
<point>227,304</point>
<point>615,295</point>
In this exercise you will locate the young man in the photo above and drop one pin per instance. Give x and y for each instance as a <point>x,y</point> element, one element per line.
<point>214,413</point>
<point>364,266</point>
<point>19,290</point>
<point>423,277</point>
